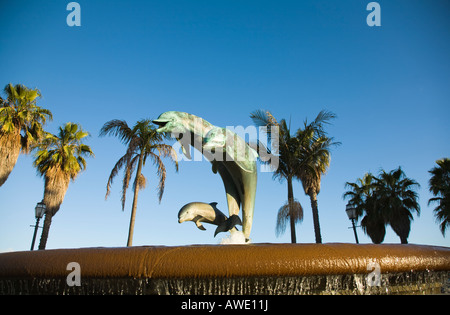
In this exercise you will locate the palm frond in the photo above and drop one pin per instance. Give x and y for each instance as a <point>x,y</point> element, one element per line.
<point>167,151</point>
<point>117,128</point>
<point>161,172</point>
<point>284,216</point>
<point>63,151</point>
<point>439,186</point>
<point>120,163</point>
<point>129,169</point>
<point>262,118</point>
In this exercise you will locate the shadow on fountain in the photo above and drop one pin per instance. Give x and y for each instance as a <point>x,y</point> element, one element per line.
<point>231,269</point>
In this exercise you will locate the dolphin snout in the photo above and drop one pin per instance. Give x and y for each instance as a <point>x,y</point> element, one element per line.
<point>161,123</point>
<point>182,217</point>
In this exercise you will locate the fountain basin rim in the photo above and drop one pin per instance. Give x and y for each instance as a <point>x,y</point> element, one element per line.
<point>202,261</point>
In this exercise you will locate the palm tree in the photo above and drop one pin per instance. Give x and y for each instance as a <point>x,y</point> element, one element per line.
<point>59,159</point>
<point>361,195</point>
<point>288,158</point>
<point>314,159</point>
<point>387,199</point>
<point>21,122</point>
<point>359,192</point>
<point>440,187</point>
<point>142,141</point>
<point>396,197</point>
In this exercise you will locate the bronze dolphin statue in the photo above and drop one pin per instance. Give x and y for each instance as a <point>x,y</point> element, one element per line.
<point>236,166</point>
<point>200,212</point>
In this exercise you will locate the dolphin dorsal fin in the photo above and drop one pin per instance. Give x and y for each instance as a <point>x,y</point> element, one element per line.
<point>214,206</point>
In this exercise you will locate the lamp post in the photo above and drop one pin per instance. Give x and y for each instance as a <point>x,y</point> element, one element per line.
<point>39,213</point>
<point>351,213</point>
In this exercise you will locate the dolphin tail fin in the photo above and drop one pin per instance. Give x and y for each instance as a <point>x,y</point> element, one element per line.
<point>228,224</point>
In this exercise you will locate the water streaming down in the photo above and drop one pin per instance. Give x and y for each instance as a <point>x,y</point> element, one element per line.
<point>426,283</point>
<point>404,283</point>
<point>231,269</point>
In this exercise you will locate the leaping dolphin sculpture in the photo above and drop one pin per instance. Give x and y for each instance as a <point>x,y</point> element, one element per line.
<point>200,212</point>
<point>232,158</point>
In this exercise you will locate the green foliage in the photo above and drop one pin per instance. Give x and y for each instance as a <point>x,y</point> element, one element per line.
<point>439,185</point>
<point>389,198</point>
<point>19,113</point>
<point>304,155</point>
<point>64,151</point>
<point>142,142</point>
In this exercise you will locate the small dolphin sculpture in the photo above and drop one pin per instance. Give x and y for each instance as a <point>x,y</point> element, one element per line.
<point>199,212</point>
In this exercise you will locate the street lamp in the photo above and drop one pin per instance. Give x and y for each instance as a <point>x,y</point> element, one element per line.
<point>39,213</point>
<point>351,213</point>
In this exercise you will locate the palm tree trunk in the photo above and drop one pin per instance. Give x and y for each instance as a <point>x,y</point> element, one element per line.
<point>291,209</point>
<point>56,184</point>
<point>9,153</point>
<point>135,199</point>
<point>45,229</point>
<point>315,212</point>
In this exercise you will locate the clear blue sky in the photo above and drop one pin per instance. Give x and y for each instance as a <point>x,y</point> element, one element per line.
<point>389,86</point>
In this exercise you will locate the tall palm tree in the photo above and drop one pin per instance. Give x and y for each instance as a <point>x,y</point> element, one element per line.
<point>288,159</point>
<point>142,141</point>
<point>21,125</point>
<point>59,159</point>
<point>314,159</point>
<point>397,199</point>
<point>440,187</point>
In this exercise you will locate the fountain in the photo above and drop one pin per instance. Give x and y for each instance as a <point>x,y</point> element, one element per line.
<point>227,269</point>
<point>335,268</point>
